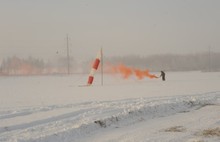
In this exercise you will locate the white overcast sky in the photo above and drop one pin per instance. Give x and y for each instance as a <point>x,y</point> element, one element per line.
<point>122,27</point>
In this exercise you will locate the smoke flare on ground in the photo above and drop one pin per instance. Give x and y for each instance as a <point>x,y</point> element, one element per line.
<point>126,71</point>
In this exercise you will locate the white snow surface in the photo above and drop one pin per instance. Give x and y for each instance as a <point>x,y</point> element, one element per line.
<point>59,109</point>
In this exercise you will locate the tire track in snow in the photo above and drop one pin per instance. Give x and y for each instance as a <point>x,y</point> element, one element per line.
<point>55,124</point>
<point>32,110</point>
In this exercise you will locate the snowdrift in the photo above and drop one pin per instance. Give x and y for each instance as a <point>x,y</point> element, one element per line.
<point>87,118</point>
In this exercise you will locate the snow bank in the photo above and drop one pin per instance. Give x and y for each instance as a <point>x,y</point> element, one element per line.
<point>92,117</point>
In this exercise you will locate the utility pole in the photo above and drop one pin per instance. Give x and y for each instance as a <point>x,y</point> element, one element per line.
<point>68,56</point>
<point>101,67</point>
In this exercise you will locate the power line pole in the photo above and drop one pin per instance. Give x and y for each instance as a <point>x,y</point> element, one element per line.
<point>68,56</point>
<point>101,67</point>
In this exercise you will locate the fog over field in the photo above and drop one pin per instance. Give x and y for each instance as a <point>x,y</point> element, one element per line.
<point>109,71</point>
<point>126,27</point>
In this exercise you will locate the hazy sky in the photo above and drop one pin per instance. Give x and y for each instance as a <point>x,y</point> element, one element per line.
<point>122,27</point>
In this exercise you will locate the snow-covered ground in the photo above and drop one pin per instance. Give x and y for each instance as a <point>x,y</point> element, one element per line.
<point>58,109</point>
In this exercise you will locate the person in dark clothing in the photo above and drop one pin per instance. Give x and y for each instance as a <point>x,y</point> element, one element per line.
<point>162,75</point>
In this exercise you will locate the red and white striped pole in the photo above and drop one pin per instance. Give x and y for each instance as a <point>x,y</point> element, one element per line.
<point>94,68</point>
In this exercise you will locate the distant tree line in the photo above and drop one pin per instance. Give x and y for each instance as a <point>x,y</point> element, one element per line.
<point>167,62</point>
<point>171,62</point>
<point>32,66</point>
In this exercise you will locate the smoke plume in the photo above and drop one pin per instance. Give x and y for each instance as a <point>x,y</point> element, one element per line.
<point>127,72</point>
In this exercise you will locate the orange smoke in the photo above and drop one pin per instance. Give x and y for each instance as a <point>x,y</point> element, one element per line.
<point>126,72</point>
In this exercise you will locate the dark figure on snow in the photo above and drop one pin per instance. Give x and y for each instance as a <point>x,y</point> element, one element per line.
<point>162,75</point>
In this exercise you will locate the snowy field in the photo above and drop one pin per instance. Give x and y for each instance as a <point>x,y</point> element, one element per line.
<point>184,108</point>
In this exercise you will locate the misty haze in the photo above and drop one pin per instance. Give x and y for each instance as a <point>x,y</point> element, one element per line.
<point>155,63</point>
<point>156,35</point>
<point>109,71</point>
